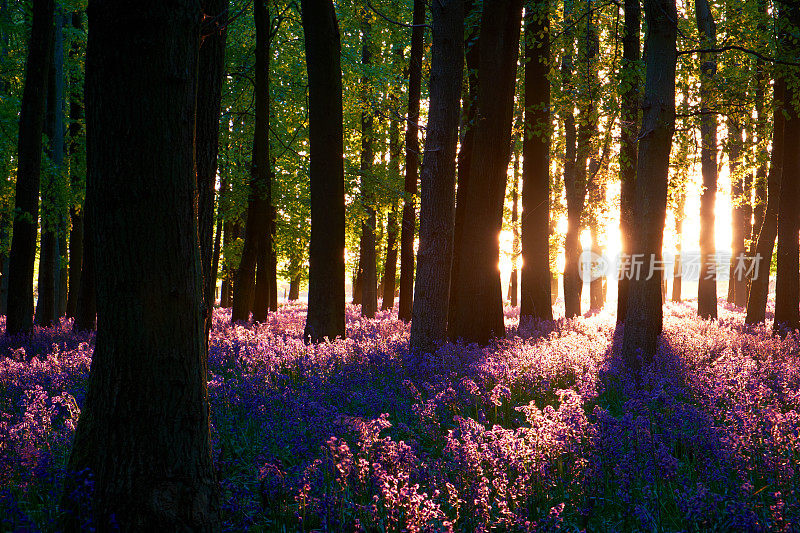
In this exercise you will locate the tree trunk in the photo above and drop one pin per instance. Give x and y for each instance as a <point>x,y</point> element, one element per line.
<point>466,141</point>
<point>326,172</point>
<point>29,164</point>
<point>478,313</point>
<point>571,279</point>
<point>535,283</point>
<point>707,283</point>
<point>294,288</point>
<point>390,265</point>
<point>737,284</point>
<point>273,265</point>
<point>49,271</point>
<point>629,132</point>
<point>408,225</point>
<point>513,286</point>
<point>144,432</point>
<point>367,258</point>
<point>677,274</point>
<point>211,73</point>
<point>246,297</point>
<point>77,180</point>
<point>644,314</point>
<point>437,210</point>
<point>765,245</point>
<point>226,292</point>
<point>787,275</point>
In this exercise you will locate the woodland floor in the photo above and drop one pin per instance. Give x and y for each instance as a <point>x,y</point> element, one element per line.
<point>543,430</point>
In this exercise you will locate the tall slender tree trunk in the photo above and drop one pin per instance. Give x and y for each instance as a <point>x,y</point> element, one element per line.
<point>644,314</point>
<point>535,293</point>
<point>629,131</point>
<point>571,278</point>
<point>246,297</point>
<point>478,314</point>
<point>513,286</point>
<point>143,432</point>
<point>77,178</point>
<point>707,283</point>
<point>273,263</point>
<point>326,171</point>
<point>211,73</point>
<point>765,245</point>
<point>408,225</point>
<point>367,258</point>
<point>437,210</point>
<point>737,283</point>
<point>677,271</point>
<point>49,271</point>
<point>466,141</point>
<point>390,265</point>
<point>29,164</point>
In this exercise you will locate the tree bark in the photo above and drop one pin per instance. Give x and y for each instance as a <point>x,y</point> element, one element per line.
<point>52,200</point>
<point>466,141</point>
<point>737,284</point>
<point>408,225</point>
<point>29,164</point>
<point>77,181</point>
<point>571,278</point>
<point>144,432</point>
<point>326,171</point>
<point>478,314</point>
<point>367,258</point>
<point>677,274</point>
<point>211,74</point>
<point>644,314</point>
<point>629,131</point>
<point>787,275</point>
<point>513,286</point>
<point>390,265</point>
<point>437,210</point>
<point>765,245</point>
<point>707,283</point>
<point>246,297</point>
<point>535,283</point>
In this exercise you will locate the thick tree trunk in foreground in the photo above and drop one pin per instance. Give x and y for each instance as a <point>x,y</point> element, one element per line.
<point>759,285</point>
<point>644,314</point>
<point>478,313</point>
<point>144,427</point>
<point>211,73</point>
<point>469,109</point>
<point>257,231</point>
<point>431,291</point>
<point>707,283</point>
<point>326,171</point>
<point>787,282</point>
<point>409,223</point>
<point>535,283</point>
<point>367,259</point>
<point>29,165</point>
<point>628,150</point>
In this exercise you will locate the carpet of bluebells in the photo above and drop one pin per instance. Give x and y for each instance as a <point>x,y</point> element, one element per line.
<point>543,430</point>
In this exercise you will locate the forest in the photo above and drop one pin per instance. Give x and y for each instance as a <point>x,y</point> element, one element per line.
<point>399,265</point>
